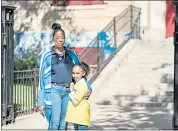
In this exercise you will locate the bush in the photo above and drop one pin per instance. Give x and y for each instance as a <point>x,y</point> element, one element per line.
<point>25,64</point>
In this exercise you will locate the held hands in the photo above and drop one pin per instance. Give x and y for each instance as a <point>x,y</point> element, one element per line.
<point>71,86</point>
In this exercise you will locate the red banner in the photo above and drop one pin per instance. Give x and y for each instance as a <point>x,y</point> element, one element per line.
<point>170,18</point>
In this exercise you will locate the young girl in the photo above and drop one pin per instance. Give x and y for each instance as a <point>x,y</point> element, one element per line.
<point>78,111</point>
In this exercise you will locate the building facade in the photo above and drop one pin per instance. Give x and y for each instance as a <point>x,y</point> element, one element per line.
<point>82,20</point>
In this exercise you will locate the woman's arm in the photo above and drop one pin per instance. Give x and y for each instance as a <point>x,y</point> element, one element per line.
<point>89,89</point>
<point>78,94</point>
<point>41,82</point>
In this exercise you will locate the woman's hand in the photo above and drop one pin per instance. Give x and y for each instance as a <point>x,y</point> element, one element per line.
<point>41,109</point>
<point>87,95</point>
<point>71,86</point>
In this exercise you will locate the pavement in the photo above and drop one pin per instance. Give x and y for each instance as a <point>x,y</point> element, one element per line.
<point>107,116</point>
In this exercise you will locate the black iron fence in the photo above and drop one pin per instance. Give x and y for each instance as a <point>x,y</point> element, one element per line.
<point>25,91</point>
<point>97,55</point>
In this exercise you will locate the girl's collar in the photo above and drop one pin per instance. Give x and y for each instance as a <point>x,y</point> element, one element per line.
<point>79,80</point>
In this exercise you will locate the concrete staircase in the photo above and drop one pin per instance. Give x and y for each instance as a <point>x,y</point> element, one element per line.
<point>142,82</point>
<point>145,76</point>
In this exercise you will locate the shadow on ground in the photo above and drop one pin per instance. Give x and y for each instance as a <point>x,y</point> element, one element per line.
<point>154,114</point>
<point>128,117</point>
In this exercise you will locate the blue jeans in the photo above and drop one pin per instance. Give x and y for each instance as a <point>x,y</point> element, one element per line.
<point>59,99</point>
<point>80,127</point>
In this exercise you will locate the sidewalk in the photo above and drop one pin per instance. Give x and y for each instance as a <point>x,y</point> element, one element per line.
<point>32,121</point>
<point>106,116</point>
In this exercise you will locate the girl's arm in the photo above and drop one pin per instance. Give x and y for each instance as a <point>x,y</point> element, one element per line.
<point>72,97</point>
<point>78,94</point>
<point>72,94</point>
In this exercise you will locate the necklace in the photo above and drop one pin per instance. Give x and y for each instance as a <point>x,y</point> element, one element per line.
<point>60,54</point>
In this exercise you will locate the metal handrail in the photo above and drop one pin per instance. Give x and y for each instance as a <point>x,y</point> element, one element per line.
<point>109,25</point>
<point>135,26</point>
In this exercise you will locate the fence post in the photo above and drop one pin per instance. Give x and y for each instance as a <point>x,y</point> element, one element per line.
<point>34,88</point>
<point>136,29</point>
<point>98,52</point>
<point>3,72</point>
<point>175,109</point>
<point>139,25</point>
<point>115,38</point>
<point>131,23</point>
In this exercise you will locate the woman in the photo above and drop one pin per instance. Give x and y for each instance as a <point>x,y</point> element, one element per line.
<point>55,78</point>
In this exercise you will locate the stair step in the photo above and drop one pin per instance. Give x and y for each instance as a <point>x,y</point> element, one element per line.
<point>145,101</point>
<point>153,51</point>
<point>140,80</point>
<point>161,63</point>
<point>143,86</point>
<point>149,55</point>
<point>134,62</point>
<point>154,48</point>
<point>150,104</point>
<point>131,89</point>
<point>141,75</point>
<point>144,71</point>
<point>150,51</point>
<point>149,61</point>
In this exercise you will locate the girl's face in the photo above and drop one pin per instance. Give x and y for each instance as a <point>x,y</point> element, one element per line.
<point>77,73</point>
<point>59,39</point>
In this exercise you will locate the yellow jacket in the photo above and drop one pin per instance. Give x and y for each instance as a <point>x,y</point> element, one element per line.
<point>79,114</point>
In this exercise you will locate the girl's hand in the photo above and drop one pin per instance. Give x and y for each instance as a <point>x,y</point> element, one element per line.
<point>71,86</point>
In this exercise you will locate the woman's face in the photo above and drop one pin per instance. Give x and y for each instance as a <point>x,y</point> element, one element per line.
<point>59,39</point>
<point>77,73</point>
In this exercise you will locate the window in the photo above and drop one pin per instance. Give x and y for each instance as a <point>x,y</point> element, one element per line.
<point>76,2</point>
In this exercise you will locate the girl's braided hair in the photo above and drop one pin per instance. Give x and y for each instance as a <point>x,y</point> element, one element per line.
<point>84,66</point>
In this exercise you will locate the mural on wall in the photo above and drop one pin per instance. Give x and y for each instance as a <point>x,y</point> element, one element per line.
<point>34,44</point>
<point>27,43</point>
